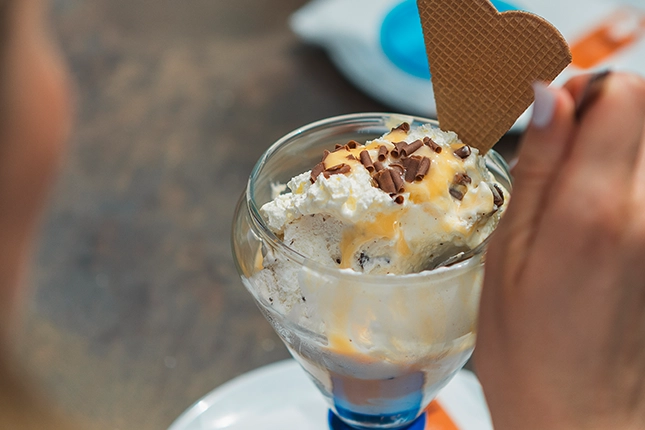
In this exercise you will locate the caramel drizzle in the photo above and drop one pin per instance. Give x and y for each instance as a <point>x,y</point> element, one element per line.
<point>410,168</point>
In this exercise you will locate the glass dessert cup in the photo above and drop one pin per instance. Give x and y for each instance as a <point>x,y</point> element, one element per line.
<point>378,347</point>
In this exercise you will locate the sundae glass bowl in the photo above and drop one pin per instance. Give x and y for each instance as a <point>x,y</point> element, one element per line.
<point>378,347</point>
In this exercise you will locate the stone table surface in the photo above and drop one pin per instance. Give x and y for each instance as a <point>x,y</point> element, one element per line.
<point>136,308</point>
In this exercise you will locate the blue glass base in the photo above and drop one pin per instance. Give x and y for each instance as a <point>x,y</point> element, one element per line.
<point>336,423</point>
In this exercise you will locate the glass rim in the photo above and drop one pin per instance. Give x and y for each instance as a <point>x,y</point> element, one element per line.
<point>261,227</point>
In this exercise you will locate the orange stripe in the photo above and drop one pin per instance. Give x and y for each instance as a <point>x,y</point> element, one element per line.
<point>438,419</point>
<point>618,31</point>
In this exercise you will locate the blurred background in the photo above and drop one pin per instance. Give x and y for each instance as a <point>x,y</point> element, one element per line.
<point>136,308</point>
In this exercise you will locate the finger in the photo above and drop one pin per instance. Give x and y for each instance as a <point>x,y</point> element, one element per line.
<point>636,230</point>
<point>591,206</point>
<point>583,88</point>
<point>606,147</point>
<point>576,85</point>
<point>544,148</point>
<point>639,177</point>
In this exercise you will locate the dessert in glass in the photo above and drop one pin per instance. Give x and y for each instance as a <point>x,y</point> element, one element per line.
<point>369,263</point>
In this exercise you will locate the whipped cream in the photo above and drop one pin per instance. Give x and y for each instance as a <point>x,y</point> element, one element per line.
<point>350,221</point>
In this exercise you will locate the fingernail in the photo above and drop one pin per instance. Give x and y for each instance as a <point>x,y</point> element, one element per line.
<point>590,93</point>
<point>543,106</point>
<point>513,163</point>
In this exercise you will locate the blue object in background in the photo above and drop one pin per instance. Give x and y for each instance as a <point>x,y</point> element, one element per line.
<point>402,37</point>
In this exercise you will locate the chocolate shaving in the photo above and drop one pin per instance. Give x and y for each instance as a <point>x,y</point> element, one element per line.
<point>431,143</point>
<point>351,157</point>
<point>411,148</point>
<point>366,161</point>
<point>352,144</point>
<point>398,149</point>
<point>399,199</point>
<point>456,193</point>
<point>317,170</point>
<point>463,152</point>
<point>411,168</point>
<point>498,196</point>
<point>462,179</point>
<point>403,126</point>
<point>384,181</point>
<point>424,167</point>
<point>338,147</point>
<point>382,153</point>
<point>400,168</point>
<point>325,154</point>
<point>337,169</point>
<point>396,178</point>
<point>378,166</point>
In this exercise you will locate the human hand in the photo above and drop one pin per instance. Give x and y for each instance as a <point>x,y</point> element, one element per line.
<point>561,342</point>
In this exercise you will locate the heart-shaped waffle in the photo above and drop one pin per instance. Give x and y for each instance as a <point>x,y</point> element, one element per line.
<point>483,64</point>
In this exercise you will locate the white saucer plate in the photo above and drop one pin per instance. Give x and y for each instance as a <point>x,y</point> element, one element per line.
<point>281,396</point>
